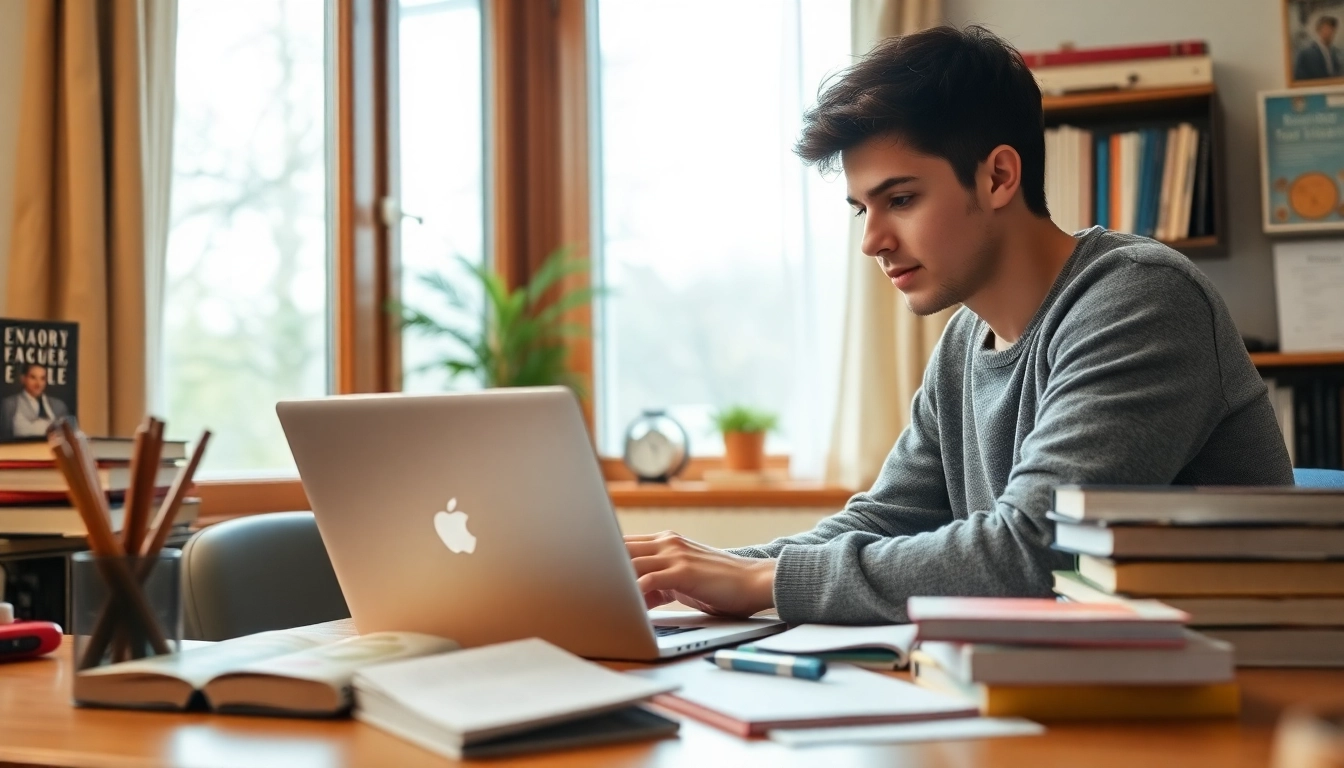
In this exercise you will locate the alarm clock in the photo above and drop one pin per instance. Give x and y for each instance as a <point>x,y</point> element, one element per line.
<point>657,448</point>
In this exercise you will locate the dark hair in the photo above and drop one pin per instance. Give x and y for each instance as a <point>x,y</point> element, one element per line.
<point>950,93</point>
<point>1331,20</point>
<point>27,369</point>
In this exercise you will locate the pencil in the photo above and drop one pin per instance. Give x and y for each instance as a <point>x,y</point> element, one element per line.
<point>163,522</point>
<point>70,449</point>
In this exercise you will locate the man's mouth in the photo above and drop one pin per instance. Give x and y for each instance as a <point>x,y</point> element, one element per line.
<point>901,276</point>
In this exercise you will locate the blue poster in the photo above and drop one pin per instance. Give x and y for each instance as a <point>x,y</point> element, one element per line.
<point>1302,159</point>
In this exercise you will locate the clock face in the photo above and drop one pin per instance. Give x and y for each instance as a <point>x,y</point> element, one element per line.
<point>651,455</point>
<point>1313,195</point>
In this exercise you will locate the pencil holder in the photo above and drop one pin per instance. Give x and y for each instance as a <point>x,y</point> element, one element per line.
<point>124,608</point>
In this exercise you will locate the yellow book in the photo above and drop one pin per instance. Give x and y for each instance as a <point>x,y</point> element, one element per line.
<point>1084,702</point>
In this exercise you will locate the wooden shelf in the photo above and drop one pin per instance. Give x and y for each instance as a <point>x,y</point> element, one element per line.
<point>1094,99</point>
<point>1289,359</point>
<point>1191,243</point>
<point>689,493</point>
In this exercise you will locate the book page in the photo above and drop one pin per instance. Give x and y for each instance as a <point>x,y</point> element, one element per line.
<point>198,665</point>
<point>334,663</point>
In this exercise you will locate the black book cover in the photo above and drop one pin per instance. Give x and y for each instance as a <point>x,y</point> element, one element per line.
<point>1330,422</point>
<point>1318,450</point>
<point>40,381</point>
<point>1302,424</point>
<point>1201,211</point>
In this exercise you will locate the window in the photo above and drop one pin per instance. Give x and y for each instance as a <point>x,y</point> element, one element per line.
<point>723,253</point>
<point>246,318</point>
<point>440,159</point>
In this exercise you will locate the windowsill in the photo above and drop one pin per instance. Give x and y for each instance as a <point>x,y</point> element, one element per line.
<point>221,500</point>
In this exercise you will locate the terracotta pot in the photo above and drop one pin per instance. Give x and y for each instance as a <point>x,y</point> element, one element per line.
<point>744,451</point>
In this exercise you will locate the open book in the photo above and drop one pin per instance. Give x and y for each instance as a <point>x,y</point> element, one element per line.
<point>293,671</point>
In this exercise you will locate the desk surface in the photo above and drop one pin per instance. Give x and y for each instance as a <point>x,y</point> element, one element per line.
<point>38,726</point>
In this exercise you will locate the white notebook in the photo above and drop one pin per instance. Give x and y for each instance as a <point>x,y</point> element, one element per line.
<point>454,701</point>
<point>843,643</point>
<point>750,704</point>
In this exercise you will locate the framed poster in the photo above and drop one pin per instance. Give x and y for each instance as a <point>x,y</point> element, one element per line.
<point>1302,159</point>
<point>1311,42</point>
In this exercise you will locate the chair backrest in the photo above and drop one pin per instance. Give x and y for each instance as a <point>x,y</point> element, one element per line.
<point>1319,478</point>
<point>257,573</point>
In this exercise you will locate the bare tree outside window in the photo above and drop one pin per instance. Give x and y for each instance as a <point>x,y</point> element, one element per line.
<point>246,288</point>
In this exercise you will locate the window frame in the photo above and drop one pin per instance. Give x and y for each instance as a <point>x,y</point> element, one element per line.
<point>538,194</point>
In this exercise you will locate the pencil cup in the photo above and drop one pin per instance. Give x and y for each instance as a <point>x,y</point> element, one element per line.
<point>124,608</point>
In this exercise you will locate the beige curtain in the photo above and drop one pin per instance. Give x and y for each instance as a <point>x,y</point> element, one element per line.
<point>78,244</point>
<point>885,346</point>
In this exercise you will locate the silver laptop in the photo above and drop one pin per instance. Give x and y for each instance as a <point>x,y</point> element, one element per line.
<point>481,517</point>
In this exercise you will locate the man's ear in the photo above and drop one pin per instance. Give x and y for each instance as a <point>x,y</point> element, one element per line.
<point>1003,168</point>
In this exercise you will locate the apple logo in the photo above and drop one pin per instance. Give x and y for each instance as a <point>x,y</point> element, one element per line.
<point>451,525</point>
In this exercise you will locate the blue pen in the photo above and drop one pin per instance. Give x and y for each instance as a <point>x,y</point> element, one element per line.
<point>806,667</point>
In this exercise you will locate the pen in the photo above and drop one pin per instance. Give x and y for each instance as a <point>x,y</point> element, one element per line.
<point>806,667</point>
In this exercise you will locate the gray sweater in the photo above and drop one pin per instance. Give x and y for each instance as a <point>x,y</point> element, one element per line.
<point>1131,372</point>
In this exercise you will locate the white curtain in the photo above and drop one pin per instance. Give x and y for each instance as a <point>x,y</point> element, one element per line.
<point>816,257</point>
<point>885,346</point>
<point>158,19</point>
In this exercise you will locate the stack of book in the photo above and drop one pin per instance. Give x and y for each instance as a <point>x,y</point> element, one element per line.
<point>1155,182</point>
<point>1310,411</point>
<point>1051,660</point>
<point>1149,65</point>
<point>1153,179</point>
<point>1261,568</point>
<point>33,493</point>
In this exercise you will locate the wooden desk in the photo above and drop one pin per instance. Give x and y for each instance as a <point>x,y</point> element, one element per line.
<point>38,726</point>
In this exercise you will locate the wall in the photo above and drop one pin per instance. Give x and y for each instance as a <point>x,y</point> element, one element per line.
<point>1246,40</point>
<point>11,73</point>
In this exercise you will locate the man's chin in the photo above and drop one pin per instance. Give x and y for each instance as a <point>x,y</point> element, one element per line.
<point>923,306</point>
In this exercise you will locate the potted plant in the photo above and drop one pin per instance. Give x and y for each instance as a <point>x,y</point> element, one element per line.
<point>744,430</point>
<point>520,337</point>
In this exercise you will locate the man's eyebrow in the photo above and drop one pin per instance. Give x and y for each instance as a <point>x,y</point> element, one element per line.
<point>883,187</point>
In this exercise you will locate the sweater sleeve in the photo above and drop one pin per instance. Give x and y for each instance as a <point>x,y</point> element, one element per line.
<point>909,495</point>
<point>1132,392</point>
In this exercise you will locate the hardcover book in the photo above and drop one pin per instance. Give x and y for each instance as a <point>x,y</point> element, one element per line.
<point>40,382</point>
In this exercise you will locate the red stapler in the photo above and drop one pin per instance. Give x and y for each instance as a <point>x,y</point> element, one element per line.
<point>26,639</point>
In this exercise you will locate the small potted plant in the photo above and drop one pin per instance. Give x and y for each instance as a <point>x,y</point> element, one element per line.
<point>744,431</point>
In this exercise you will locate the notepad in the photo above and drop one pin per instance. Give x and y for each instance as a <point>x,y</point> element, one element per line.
<point>506,698</point>
<point>877,647</point>
<point>748,704</point>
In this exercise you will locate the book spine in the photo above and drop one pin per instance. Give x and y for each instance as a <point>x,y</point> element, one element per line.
<point>1201,222</point>
<point>1103,181</point>
<point>1117,142</point>
<point>1119,53</point>
<point>1088,702</point>
<point>1302,424</point>
<point>1124,75</point>
<point>1330,422</point>
<point>1318,449</point>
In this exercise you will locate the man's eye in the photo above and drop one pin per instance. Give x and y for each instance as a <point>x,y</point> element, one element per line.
<point>900,201</point>
<point>859,212</point>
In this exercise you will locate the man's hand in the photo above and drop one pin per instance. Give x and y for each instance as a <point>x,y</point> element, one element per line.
<point>671,568</point>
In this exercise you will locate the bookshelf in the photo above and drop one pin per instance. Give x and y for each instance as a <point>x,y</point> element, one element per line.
<point>1104,112</point>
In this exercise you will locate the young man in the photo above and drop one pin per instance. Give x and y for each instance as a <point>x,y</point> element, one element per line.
<point>1092,358</point>
<point>1320,58</point>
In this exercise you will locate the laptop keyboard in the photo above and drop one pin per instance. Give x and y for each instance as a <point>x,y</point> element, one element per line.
<point>665,631</point>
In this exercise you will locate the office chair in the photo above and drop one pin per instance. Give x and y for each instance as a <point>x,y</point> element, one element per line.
<point>1319,478</point>
<point>257,573</point>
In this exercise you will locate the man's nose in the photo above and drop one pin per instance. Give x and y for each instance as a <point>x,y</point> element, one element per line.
<point>877,237</point>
